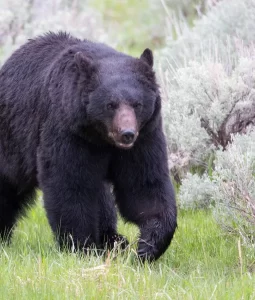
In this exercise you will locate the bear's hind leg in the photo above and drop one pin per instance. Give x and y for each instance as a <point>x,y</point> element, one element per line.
<point>11,206</point>
<point>108,221</point>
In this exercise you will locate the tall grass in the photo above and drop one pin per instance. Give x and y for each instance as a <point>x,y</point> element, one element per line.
<point>202,263</point>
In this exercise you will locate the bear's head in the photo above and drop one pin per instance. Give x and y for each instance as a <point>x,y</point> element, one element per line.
<point>125,102</point>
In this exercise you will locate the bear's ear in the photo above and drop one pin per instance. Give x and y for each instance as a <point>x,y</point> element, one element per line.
<point>147,56</point>
<point>84,64</point>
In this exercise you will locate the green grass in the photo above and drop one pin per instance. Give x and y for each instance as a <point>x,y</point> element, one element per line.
<point>134,24</point>
<point>201,263</point>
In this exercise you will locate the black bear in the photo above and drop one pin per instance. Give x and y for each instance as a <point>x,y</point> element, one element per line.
<point>75,117</point>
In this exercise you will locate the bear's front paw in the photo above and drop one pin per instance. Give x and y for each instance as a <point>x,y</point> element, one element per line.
<point>155,238</point>
<point>147,250</point>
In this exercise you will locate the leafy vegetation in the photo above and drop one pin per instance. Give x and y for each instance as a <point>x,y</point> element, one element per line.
<point>207,79</point>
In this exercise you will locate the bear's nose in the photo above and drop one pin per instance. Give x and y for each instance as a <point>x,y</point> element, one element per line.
<point>127,136</point>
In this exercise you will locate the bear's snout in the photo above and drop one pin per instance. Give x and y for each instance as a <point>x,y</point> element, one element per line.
<point>127,136</point>
<point>124,127</point>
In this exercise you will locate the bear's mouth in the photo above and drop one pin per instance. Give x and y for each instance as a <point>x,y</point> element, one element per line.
<point>124,146</point>
<point>116,139</point>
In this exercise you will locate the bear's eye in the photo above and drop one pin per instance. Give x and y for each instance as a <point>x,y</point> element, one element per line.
<point>111,106</point>
<point>137,105</point>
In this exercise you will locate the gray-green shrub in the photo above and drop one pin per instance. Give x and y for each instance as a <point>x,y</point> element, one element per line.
<point>209,97</point>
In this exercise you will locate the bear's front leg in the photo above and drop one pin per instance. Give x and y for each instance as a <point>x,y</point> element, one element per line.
<point>152,208</point>
<point>158,224</point>
<point>108,236</point>
<point>71,178</point>
<point>145,195</point>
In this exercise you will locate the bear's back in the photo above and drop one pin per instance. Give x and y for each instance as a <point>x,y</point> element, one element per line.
<point>21,101</point>
<point>23,104</point>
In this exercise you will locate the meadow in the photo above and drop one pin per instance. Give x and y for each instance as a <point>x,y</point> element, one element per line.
<point>201,263</point>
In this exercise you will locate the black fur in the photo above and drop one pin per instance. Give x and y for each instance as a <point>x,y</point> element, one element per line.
<point>54,126</point>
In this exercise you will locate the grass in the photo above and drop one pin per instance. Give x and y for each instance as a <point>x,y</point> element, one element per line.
<point>135,24</point>
<point>201,263</point>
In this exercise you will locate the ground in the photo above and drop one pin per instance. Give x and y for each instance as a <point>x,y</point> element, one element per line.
<point>202,263</point>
